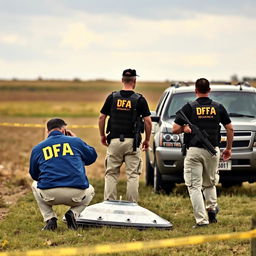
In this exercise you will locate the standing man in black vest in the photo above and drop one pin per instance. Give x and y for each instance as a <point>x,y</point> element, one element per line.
<point>200,167</point>
<point>128,115</point>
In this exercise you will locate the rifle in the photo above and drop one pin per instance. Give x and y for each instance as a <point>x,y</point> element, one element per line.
<point>200,135</point>
<point>138,129</point>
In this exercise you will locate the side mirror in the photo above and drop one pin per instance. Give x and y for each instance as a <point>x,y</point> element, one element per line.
<point>154,117</point>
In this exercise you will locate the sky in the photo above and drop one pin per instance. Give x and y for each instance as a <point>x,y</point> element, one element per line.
<point>98,39</point>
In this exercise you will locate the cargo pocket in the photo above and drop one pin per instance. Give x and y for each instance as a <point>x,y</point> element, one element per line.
<point>139,170</point>
<point>188,176</point>
<point>79,198</point>
<point>106,163</point>
<point>46,197</point>
<point>217,178</point>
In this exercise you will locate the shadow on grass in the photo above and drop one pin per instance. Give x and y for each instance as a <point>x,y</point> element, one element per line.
<point>245,189</point>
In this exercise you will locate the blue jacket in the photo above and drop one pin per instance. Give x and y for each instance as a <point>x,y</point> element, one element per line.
<point>59,161</point>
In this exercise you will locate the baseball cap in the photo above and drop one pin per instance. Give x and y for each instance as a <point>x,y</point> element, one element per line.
<point>129,72</point>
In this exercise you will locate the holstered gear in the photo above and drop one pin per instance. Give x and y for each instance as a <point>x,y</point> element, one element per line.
<point>138,129</point>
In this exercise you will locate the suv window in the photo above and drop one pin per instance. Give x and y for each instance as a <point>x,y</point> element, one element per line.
<point>236,103</point>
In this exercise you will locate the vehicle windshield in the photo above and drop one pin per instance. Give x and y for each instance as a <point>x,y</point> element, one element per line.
<point>236,103</point>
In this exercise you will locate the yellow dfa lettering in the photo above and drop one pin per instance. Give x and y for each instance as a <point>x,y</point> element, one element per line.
<point>128,104</point>
<point>48,154</point>
<point>201,111</point>
<point>119,103</point>
<point>213,111</point>
<point>124,104</point>
<point>56,149</point>
<point>67,149</point>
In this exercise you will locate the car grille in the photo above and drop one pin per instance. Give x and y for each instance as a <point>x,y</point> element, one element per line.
<point>237,144</point>
<point>239,162</point>
<point>241,139</point>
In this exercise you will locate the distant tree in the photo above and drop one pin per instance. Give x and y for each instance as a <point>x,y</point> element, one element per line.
<point>234,78</point>
<point>76,79</point>
<point>249,79</point>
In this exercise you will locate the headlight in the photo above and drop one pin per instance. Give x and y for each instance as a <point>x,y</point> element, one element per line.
<point>170,140</point>
<point>254,142</point>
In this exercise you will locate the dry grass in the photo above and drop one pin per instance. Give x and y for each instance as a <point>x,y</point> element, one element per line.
<point>17,142</point>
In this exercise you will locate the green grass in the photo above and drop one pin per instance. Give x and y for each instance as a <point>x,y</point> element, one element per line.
<point>21,230</point>
<point>66,85</point>
<point>49,109</point>
<point>65,98</point>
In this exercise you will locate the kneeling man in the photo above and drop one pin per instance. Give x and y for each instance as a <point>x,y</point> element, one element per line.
<point>57,168</point>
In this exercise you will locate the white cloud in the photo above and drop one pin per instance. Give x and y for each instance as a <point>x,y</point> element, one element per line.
<point>77,36</point>
<point>92,46</point>
<point>12,39</point>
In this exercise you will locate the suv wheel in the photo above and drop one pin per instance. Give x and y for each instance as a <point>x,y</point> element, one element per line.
<point>149,173</point>
<point>159,184</point>
<point>157,179</point>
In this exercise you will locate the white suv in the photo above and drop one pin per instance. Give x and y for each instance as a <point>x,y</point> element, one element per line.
<point>164,160</point>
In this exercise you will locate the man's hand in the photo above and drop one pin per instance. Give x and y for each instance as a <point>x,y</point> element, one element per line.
<point>103,140</point>
<point>226,154</point>
<point>145,145</point>
<point>70,133</point>
<point>187,129</point>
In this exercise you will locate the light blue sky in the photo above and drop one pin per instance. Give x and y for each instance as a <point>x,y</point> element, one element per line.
<point>164,39</point>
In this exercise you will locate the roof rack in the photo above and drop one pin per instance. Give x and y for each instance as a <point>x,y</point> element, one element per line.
<point>220,82</point>
<point>247,84</point>
<point>178,84</point>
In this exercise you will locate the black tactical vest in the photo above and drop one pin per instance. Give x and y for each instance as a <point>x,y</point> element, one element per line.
<point>123,115</point>
<point>206,117</point>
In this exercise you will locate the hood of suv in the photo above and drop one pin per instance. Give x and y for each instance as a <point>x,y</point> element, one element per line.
<point>239,123</point>
<point>244,123</point>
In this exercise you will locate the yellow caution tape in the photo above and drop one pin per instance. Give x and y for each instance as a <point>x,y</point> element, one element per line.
<point>133,246</point>
<point>74,126</point>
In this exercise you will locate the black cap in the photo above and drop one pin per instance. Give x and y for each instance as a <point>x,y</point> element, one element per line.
<point>129,72</point>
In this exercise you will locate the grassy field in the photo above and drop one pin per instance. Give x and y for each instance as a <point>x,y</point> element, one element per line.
<point>21,229</point>
<point>79,103</point>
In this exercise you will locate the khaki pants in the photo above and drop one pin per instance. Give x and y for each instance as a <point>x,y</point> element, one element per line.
<point>76,198</point>
<point>201,176</point>
<point>120,152</point>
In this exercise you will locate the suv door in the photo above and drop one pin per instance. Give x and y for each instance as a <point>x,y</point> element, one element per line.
<point>155,125</point>
<point>150,156</point>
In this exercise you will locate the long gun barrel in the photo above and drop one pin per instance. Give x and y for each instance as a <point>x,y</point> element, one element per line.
<point>135,141</point>
<point>201,136</point>
<point>138,129</point>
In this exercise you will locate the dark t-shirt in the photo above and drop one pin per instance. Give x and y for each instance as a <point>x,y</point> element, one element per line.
<point>187,110</point>
<point>142,105</point>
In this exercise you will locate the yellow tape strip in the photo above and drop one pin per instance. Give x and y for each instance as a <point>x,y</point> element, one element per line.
<point>133,246</point>
<point>74,126</point>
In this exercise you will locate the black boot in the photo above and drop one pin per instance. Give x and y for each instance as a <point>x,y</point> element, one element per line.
<point>212,215</point>
<point>51,224</point>
<point>71,221</point>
